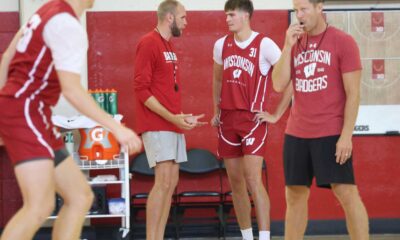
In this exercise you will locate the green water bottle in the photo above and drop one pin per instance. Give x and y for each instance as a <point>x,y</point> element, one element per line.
<point>113,102</point>
<point>99,98</point>
<point>69,142</point>
<point>106,100</point>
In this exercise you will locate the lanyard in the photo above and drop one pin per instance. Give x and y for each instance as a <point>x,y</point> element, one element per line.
<point>176,87</point>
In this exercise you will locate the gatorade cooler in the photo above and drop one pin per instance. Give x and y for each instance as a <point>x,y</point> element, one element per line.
<point>98,144</point>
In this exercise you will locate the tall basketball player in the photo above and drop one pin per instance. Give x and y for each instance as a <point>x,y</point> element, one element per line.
<point>242,61</point>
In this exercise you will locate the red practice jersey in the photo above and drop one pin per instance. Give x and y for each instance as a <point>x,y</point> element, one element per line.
<point>243,85</point>
<point>31,73</point>
<point>33,86</point>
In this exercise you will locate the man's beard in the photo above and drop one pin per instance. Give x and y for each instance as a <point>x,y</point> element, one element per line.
<point>90,4</point>
<point>175,31</point>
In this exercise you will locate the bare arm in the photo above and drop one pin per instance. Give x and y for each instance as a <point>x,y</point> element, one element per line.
<point>344,147</point>
<point>79,98</point>
<point>177,119</point>
<point>280,109</point>
<point>217,85</point>
<point>285,101</point>
<point>282,69</point>
<point>7,57</point>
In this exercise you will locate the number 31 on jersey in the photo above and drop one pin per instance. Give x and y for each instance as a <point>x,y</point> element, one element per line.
<point>253,52</point>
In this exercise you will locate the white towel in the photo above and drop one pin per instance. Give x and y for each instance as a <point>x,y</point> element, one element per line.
<point>78,121</point>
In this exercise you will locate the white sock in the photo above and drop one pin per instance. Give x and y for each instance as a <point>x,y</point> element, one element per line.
<point>264,235</point>
<point>247,234</point>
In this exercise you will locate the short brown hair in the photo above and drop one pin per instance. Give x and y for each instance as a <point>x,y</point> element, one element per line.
<point>316,1</point>
<point>243,5</point>
<point>167,6</point>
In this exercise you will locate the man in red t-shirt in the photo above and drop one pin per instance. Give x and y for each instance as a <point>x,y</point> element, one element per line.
<point>44,60</point>
<point>159,117</point>
<point>242,61</point>
<point>323,63</point>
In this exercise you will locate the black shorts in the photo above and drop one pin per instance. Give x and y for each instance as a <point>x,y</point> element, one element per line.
<point>305,158</point>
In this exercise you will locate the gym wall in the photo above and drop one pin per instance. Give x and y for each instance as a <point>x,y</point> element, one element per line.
<point>114,27</point>
<point>10,198</point>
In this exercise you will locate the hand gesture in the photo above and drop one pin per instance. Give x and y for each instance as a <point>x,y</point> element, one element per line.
<point>266,117</point>
<point>215,121</point>
<point>293,33</point>
<point>193,120</point>
<point>179,121</point>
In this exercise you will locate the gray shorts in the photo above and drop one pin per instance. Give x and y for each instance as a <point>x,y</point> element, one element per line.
<point>163,146</point>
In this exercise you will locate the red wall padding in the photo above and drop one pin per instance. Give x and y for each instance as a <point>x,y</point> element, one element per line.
<point>113,37</point>
<point>10,197</point>
<point>9,25</point>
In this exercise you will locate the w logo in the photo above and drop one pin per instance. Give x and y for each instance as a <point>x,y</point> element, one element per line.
<point>236,73</point>
<point>309,70</point>
<point>249,141</point>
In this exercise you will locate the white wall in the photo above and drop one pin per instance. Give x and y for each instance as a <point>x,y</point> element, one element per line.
<point>194,5</point>
<point>28,7</point>
<point>362,4</point>
<point>191,5</point>
<point>9,6</point>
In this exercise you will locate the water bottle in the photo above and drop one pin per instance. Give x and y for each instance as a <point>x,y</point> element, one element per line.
<point>113,102</point>
<point>69,142</point>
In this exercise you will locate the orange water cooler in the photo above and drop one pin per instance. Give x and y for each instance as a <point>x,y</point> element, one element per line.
<point>98,144</point>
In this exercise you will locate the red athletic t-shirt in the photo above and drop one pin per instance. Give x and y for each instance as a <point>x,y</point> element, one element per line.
<point>317,66</point>
<point>31,73</point>
<point>243,85</point>
<point>154,76</point>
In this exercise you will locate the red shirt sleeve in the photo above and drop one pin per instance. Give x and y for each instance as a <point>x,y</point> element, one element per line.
<point>145,63</point>
<point>349,54</point>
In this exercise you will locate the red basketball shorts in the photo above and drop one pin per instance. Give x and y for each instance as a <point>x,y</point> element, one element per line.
<point>27,130</point>
<point>240,134</point>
